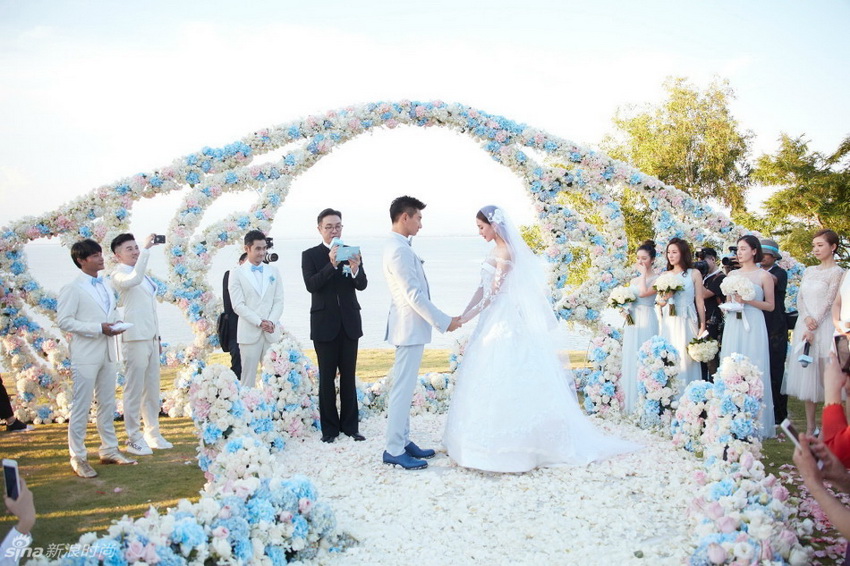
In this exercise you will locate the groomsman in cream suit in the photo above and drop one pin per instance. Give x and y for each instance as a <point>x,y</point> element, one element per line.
<point>137,296</point>
<point>256,292</point>
<point>412,314</point>
<point>86,310</point>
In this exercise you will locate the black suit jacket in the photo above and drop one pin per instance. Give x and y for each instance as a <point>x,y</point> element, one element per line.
<point>334,299</point>
<point>775,321</point>
<point>232,317</point>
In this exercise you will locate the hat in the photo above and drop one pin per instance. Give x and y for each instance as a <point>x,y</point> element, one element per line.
<point>769,246</point>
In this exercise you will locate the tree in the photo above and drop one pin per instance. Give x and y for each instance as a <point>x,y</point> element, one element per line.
<point>814,194</point>
<point>690,140</point>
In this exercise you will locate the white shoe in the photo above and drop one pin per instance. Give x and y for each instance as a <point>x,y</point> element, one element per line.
<point>139,448</point>
<point>158,442</point>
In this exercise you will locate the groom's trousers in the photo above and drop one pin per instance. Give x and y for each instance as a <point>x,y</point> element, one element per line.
<point>405,373</point>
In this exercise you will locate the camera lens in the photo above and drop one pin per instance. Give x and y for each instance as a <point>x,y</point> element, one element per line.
<point>270,258</point>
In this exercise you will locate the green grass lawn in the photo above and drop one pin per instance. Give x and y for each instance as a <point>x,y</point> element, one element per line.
<point>69,506</point>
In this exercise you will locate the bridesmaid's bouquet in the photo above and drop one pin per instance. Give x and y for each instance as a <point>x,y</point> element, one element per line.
<point>620,299</point>
<point>703,349</point>
<point>668,283</point>
<point>737,285</point>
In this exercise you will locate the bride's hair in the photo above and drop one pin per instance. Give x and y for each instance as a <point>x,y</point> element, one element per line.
<point>482,217</point>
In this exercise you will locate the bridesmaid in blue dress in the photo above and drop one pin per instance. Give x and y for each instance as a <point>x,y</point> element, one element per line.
<point>689,320</point>
<point>645,326</point>
<point>748,335</point>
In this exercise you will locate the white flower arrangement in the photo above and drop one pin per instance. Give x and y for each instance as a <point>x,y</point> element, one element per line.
<point>703,349</point>
<point>739,285</point>
<point>688,424</point>
<point>658,386</point>
<point>666,285</point>
<point>621,298</point>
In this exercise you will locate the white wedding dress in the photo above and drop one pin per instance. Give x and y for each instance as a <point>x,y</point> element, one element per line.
<point>514,407</point>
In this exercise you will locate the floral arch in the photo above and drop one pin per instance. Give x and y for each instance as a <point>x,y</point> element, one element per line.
<point>40,355</point>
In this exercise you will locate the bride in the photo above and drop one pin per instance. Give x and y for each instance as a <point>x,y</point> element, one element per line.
<point>514,406</point>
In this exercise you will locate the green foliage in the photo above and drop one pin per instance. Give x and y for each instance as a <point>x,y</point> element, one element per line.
<point>691,140</point>
<point>814,194</point>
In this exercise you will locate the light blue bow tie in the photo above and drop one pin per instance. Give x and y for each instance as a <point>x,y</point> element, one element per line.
<point>97,281</point>
<point>257,268</point>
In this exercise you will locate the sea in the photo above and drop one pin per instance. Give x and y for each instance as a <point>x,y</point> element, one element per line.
<point>452,265</point>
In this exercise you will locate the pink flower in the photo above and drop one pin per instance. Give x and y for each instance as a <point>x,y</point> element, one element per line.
<point>135,551</point>
<point>391,123</point>
<point>151,557</point>
<point>716,553</point>
<point>304,505</point>
<point>726,524</point>
<point>780,493</point>
<point>220,532</point>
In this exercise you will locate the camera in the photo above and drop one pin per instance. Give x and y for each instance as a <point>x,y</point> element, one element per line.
<point>159,239</point>
<point>700,263</point>
<point>731,260</point>
<point>270,257</point>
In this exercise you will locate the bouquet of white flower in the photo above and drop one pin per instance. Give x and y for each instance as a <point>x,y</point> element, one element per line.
<point>668,283</point>
<point>620,299</point>
<point>737,285</point>
<point>703,349</point>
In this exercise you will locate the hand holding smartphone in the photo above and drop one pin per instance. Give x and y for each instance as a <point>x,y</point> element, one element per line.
<point>791,432</point>
<point>13,481</point>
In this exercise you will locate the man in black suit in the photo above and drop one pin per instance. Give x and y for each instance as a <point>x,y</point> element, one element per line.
<point>335,325</point>
<point>713,298</point>
<point>777,327</point>
<point>232,344</point>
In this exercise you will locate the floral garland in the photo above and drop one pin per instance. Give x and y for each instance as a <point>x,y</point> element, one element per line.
<point>248,512</point>
<point>601,382</point>
<point>658,385</point>
<point>431,394</point>
<point>688,424</point>
<point>212,172</point>
<point>740,515</point>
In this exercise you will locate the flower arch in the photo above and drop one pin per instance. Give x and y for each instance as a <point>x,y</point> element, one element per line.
<point>40,355</point>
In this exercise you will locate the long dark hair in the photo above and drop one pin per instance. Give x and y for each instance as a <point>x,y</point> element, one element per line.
<point>685,255</point>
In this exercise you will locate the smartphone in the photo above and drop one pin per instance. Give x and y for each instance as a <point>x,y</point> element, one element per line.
<point>159,239</point>
<point>13,482</point>
<point>791,432</point>
<point>842,351</point>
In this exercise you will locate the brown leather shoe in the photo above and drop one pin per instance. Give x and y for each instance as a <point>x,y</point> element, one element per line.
<point>82,468</point>
<point>116,458</point>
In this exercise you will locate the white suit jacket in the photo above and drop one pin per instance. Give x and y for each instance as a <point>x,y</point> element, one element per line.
<point>255,304</point>
<point>80,312</point>
<point>137,298</point>
<point>412,314</point>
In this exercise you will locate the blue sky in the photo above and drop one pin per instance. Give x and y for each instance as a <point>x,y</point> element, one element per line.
<point>94,91</point>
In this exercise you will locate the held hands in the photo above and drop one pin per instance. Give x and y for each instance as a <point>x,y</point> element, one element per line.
<point>455,324</point>
<point>106,328</point>
<point>811,323</point>
<point>808,336</point>
<point>267,326</point>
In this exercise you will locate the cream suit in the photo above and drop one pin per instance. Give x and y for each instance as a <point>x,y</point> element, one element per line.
<point>412,314</point>
<point>137,297</point>
<point>255,299</point>
<point>81,311</point>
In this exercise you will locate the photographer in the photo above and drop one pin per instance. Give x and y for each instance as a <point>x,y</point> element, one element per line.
<point>713,297</point>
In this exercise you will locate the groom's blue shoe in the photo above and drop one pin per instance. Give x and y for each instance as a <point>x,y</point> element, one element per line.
<point>413,450</point>
<point>405,460</point>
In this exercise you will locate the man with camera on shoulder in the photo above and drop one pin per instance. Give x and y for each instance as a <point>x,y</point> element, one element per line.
<point>335,324</point>
<point>256,293</point>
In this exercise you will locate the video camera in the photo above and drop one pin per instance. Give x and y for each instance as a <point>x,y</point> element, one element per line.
<point>731,260</point>
<point>270,256</point>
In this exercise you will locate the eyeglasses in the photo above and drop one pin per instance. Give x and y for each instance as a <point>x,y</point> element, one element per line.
<point>332,227</point>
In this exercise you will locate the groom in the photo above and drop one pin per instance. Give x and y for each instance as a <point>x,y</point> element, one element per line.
<point>412,314</point>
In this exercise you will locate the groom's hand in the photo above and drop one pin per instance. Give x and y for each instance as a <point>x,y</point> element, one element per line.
<point>455,324</point>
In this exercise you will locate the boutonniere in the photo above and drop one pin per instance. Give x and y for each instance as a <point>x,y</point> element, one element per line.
<point>271,279</point>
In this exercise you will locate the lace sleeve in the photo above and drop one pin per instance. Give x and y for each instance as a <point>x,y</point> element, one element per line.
<point>832,290</point>
<point>486,293</point>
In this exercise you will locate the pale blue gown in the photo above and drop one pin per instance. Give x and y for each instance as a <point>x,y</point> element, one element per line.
<point>644,328</point>
<point>753,344</point>
<point>679,330</point>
